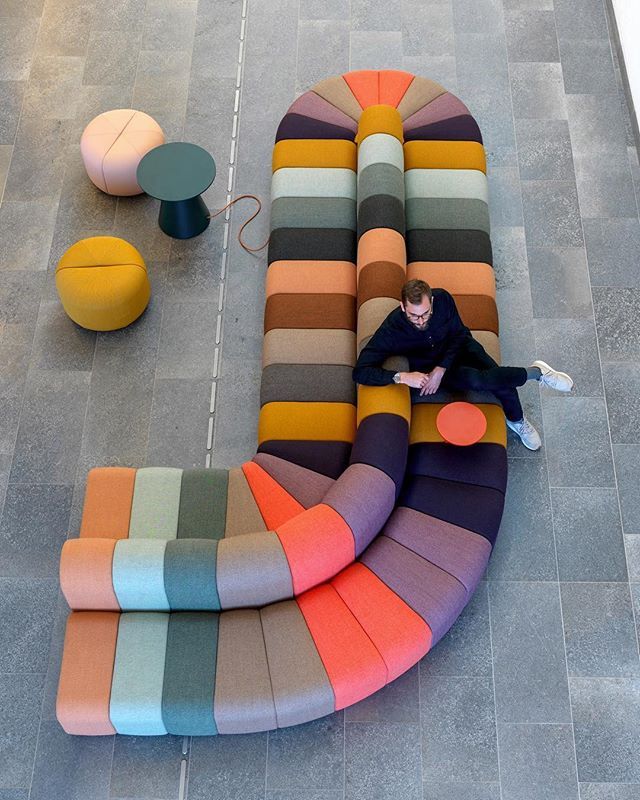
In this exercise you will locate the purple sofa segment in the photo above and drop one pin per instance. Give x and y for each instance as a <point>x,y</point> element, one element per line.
<point>475,508</point>
<point>297,126</point>
<point>443,107</point>
<point>327,458</point>
<point>312,105</point>
<point>483,464</point>
<point>459,552</point>
<point>364,497</point>
<point>369,446</point>
<point>306,486</point>
<point>462,128</point>
<point>431,592</point>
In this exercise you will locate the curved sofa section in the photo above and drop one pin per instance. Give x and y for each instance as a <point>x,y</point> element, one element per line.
<point>320,487</point>
<point>252,669</point>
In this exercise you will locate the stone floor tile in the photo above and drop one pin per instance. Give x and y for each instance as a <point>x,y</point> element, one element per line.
<point>123,15</point>
<point>323,50</point>
<point>51,424</point>
<point>137,222</point>
<point>14,794</point>
<point>324,9</point>
<point>382,760</point>
<point>93,100</point>
<point>551,214</point>
<point>509,257</point>
<point>609,791</point>
<point>112,57</point>
<point>596,124</point>
<point>65,27</point>
<point>544,149</point>
<point>146,767</point>
<point>20,698</point>
<point>599,630</point>
<point>587,66</point>
<point>19,36</point>
<point>15,349</point>
<point>59,343</point>
<point>53,90</point>
<point>466,648</point>
<point>19,294</point>
<point>38,161</point>
<point>6,151</point>
<point>573,459</point>
<point>505,197</point>
<point>583,19</point>
<point>537,762</point>
<point>538,91</point>
<point>376,50</point>
<point>187,340</point>
<point>481,62</point>
<point>11,94</point>
<point>528,653</point>
<point>398,701</point>
<point>437,790</point>
<point>481,16</point>
<point>632,547</point>
<point>236,419</point>
<point>606,719</point>
<point>627,463</point>
<point>612,250</point>
<point>570,345</point>
<point>588,535</point>
<point>228,767</point>
<point>178,425</point>
<point>622,387</point>
<point>427,28</point>
<point>524,549</point>
<point>441,69</point>
<point>559,282</point>
<point>458,728</point>
<point>58,630</point>
<point>605,189</point>
<point>169,26</point>
<point>26,231</point>
<point>616,321</point>
<point>27,607</point>
<point>309,756</point>
<point>531,35</point>
<point>337,794</point>
<point>162,81</point>
<point>5,468</point>
<point>367,16</point>
<point>33,527</point>
<point>71,767</point>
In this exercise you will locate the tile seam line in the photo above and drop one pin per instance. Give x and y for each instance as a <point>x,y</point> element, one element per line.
<point>225,255</point>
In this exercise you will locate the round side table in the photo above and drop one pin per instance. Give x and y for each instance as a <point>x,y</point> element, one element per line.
<point>461,424</point>
<point>176,174</point>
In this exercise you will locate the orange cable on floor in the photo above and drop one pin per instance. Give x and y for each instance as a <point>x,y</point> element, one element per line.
<point>244,225</point>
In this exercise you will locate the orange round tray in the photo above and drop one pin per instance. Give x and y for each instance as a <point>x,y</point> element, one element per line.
<point>461,423</point>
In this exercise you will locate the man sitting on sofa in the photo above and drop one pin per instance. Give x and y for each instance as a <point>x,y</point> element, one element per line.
<point>427,329</point>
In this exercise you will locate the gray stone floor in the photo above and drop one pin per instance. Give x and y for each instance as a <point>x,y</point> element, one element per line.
<point>536,691</point>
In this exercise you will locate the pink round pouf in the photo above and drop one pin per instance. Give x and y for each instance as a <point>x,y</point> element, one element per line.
<point>112,146</point>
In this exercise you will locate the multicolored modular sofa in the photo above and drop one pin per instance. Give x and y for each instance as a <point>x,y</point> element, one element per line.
<point>214,601</point>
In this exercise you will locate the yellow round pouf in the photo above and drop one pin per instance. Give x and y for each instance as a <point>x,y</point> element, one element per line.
<point>102,283</point>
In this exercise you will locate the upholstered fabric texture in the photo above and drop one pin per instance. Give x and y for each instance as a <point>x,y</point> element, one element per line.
<point>313,575</point>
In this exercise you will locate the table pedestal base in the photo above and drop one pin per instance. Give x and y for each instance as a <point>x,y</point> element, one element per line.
<point>183,219</point>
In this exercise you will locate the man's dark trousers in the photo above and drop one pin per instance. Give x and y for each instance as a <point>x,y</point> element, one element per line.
<point>474,369</point>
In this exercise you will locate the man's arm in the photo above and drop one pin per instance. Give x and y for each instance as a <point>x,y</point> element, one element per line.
<point>456,335</point>
<point>368,369</point>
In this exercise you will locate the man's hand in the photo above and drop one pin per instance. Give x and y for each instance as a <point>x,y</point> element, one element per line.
<point>413,379</point>
<point>431,382</point>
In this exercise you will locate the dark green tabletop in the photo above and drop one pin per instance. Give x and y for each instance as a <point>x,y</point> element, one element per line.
<point>176,171</point>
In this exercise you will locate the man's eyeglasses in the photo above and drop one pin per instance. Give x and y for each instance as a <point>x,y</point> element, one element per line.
<point>420,317</point>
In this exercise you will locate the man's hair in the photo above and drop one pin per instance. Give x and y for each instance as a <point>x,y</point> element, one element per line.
<point>413,292</point>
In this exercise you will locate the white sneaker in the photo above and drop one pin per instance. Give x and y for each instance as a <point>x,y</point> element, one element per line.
<point>529,436</point>
<point>552,378</point>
